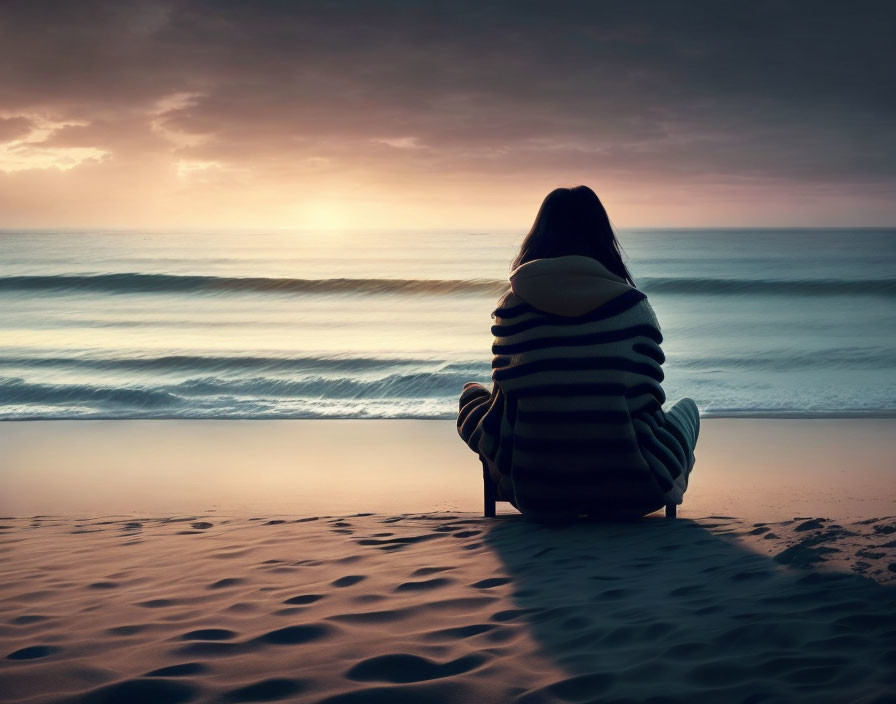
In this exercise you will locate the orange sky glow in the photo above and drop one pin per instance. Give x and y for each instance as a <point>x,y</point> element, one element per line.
<point>197,115</point>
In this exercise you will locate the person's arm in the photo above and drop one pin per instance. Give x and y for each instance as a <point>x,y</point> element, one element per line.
<point>659,445</point>
<point>475,401</point>
<point>644,389</point>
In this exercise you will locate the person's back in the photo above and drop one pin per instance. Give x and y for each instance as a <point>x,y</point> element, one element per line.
<point>574,422</point>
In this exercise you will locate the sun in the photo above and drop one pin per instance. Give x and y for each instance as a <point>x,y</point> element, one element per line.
<point>323,216</point>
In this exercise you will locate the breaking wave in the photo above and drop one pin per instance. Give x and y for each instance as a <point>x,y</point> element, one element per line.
<point>124,283</point>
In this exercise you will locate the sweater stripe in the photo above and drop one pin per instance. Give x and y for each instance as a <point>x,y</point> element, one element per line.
<point>652,351</point>
<point>514,311</point>
<point>597,338</point>
<point>654,390</point>
<point>668,459</point>
<point>574,364</point>
<point>470,402</point>
<point>473,418</point>
<point>663,478</point>
<point>618,305</point>
<point>669,441</point>
<point>611,307</point>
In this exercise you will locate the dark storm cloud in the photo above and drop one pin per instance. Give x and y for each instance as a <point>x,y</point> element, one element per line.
<point>799,90</point>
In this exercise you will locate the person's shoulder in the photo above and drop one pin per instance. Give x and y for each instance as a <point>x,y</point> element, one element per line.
<point>510,305</point>
<point>643,312</point>
<point>508,298</point>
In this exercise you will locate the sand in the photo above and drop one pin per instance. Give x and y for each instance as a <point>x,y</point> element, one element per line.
<point>759,468</point>
<point>438,606</point>
<point>441,608</point>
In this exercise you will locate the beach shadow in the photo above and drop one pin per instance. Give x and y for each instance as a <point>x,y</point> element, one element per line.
<point>668,611</point>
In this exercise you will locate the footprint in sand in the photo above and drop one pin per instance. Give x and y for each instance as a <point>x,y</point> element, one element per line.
<point>32,652</point>
<point>183,670</point>
<point>127,630</point>
<point>574,689</point>
<point>226,582</point>
<point>460,632</point>
<point>28,618</point>
<point>467,533</point>
<point>141,690</point>
<point>103,585</point>
<point>400,668</point>
<point>511,614</point>
<point>209,634</point>
<point>303,599</point>
<point>348,580</point>
<point>425,571</point>
<point>295,635</point>
<point>424,585</point>
<point>491,582</point>
<point>267,690</point>
<point>398,543</point>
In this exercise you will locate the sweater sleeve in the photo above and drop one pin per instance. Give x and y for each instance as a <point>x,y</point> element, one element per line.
<point>483,424</point>
<point>480,418</point>
<point>662,445</point>
<point>645,391</point>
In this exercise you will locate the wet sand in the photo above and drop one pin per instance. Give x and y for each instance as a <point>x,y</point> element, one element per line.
<point>761,468</point>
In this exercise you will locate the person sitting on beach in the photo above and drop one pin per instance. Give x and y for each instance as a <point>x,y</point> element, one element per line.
<point>573,425</point>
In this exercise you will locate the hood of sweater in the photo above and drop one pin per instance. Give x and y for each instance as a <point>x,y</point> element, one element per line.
<point>570,286</point>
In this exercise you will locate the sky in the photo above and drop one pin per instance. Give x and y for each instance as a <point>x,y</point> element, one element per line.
<point>445,115</point>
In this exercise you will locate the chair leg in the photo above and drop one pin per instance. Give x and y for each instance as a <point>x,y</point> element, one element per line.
<point>489,492</point>
<point>671,510</point>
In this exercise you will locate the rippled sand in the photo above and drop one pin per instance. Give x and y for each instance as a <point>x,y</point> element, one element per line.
<point>445,608</point>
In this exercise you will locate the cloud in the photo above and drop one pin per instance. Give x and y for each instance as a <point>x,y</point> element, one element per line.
<point>649,94</point>
<point>34,147</point>
<point>14,128</point>
<point>400,142</point>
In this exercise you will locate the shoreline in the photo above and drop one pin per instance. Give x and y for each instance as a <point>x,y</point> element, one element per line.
<point>767,469</point>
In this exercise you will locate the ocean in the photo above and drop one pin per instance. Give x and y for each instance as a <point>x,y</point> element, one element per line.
<point>767,323</point>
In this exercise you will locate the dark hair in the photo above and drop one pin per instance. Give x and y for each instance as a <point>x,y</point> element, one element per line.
<point>573,221</point>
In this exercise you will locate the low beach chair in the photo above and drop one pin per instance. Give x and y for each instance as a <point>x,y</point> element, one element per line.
<point>490,496</point>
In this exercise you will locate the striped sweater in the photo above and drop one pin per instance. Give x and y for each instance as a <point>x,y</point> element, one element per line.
<point>574,423</point>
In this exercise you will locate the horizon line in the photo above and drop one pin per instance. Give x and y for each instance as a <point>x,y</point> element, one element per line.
<point>261,230</point>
